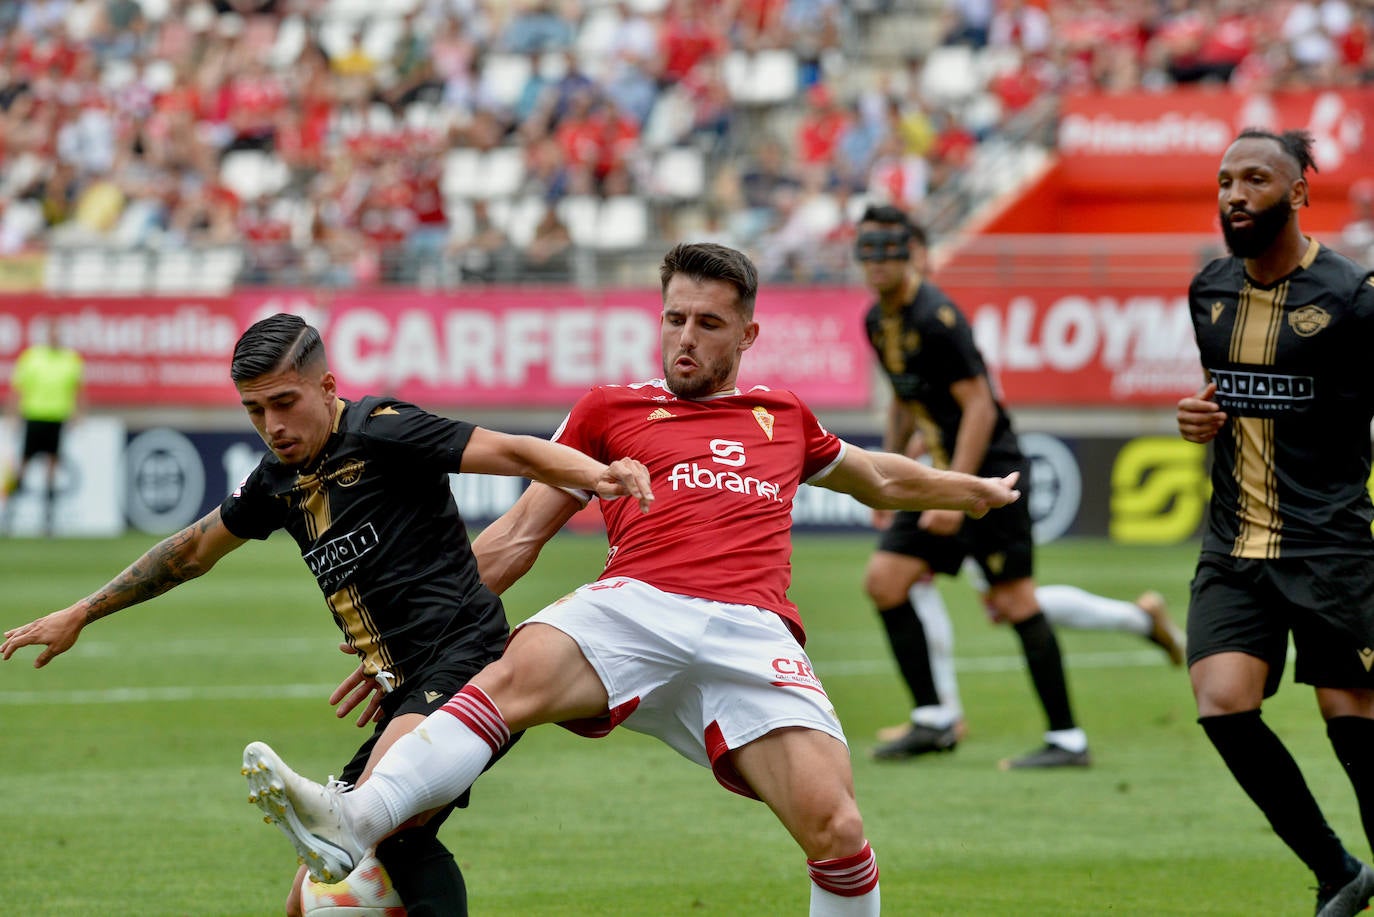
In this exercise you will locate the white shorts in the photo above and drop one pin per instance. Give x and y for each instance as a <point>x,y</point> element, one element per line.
<point>705,677</point>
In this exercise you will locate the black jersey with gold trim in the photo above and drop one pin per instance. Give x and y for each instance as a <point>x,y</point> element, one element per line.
<point>378,527</point>
<point>924,348</point>
<point>1290,466</point>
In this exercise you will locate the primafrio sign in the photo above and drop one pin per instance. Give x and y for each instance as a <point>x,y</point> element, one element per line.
<point>1177,137</point>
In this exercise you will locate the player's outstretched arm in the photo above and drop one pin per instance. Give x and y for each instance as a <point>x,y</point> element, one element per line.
<point>171,562</point>
<point>1199,417</point>
<point>884,480</point>
<point>491,452</point>
<point>507,548</point>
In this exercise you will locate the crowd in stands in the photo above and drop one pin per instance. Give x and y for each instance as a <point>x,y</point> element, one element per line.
<point>350,141</point>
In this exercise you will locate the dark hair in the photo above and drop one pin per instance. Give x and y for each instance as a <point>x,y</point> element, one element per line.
<point>1297,145</point>
<point>888,215</point>
<point>709,261</point>
<point>277,342</point>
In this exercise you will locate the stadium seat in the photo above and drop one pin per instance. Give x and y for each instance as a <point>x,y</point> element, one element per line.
<point>462,221</point>
<point>155,10</point>
<point>252,173</point>
<point>679,174</point>
<point>290,41</point>
<point>461,173</point>
<point>982,113</point>
<point>501,171</point>
<point>622,221</point>
<point>381,34</point>
<point>489,174</point>
<point>218,269</point>
<point>949,76</point>
<point>821,213</point>
<point>855,206</point>
<point>335,36</point>
<point>159,75</point>
<point>380,119</point>
<point>504,77</point>
<point>517,217</point>
<point>88,271</point>
<point>594,38</point>
<point>115,74</point>
<point>175,271</point>
<point>128,272</point>
<point>579,212</point>
<point>426,116</point>
<point>670,120</point>
<point>762,77</point>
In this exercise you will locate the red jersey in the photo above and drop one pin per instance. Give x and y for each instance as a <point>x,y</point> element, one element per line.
<point>724,471</point>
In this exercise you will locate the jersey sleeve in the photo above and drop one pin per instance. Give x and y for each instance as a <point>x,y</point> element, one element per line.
<point>401,433</point>
<point>251,511</point>
<point>581,430</point>
<point>950,347</point>
<point>823,448</point>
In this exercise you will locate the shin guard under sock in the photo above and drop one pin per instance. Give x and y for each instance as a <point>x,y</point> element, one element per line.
<point>907,638</point>
<point>1352,737</point>
<point>1046,666</point>
<point>1261,764</point>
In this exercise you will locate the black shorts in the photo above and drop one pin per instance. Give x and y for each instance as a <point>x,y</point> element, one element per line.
<point>1250,606</point>
<point>1001,542</point>
<point>41,437</point>
<point>424,693</point>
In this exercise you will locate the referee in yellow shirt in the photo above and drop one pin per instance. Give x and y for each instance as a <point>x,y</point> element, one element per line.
<point>46,393</point>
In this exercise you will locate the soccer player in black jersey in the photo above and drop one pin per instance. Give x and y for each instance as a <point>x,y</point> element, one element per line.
<point>1285,327</point>
<point>940,387</point>
<point>363,488</point>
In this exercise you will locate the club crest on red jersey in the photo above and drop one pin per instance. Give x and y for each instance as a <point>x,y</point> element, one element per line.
<point>765,420</point>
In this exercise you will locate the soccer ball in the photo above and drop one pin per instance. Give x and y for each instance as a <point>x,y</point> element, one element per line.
<point>365,892</point>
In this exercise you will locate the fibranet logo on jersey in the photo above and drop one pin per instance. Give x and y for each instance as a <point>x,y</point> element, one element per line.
<point>725,452</point>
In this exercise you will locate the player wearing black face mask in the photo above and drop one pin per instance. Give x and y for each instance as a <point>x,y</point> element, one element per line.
<point>944,408</point>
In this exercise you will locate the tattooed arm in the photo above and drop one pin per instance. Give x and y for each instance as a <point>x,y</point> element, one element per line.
<point>171,562</point>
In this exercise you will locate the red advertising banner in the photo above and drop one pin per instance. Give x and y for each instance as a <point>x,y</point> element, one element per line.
<point>1166,141</point>
<point>543,348</point>
<point>138,352</point>
<point>490,348</point>
<point>1083,346</point>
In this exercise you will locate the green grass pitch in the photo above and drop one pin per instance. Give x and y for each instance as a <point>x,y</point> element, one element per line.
<point>121,792</point>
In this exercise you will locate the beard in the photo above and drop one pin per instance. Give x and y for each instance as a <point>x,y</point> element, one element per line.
<point>1265,226</point>
<point>708,380</point>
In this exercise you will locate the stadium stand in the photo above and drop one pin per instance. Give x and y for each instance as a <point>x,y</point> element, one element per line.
<point>142,139</point>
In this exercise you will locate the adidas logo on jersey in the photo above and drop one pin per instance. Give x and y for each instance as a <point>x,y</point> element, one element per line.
<point>659,414</point>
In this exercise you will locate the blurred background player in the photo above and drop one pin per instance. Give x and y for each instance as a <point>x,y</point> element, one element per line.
<point>944,408</point>
<point>46,396</point>
<point>1287,547</point>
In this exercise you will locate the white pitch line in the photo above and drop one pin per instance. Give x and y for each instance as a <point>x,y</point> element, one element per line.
<point>980,664</point>
<point>165,694</point>
<point>838,668</point>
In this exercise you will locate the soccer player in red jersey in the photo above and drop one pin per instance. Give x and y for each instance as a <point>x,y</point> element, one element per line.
<point>688,634</point>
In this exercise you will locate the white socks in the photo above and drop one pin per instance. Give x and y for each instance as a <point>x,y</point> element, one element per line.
<point>428,767</point>
<point>1069,606</point>
<point>845,886</point>
<point>930,608</point>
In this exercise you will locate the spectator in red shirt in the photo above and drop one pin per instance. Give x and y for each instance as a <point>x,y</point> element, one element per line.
<point>819,131</point>
<point>691,33</point>
<point>255,95</point>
